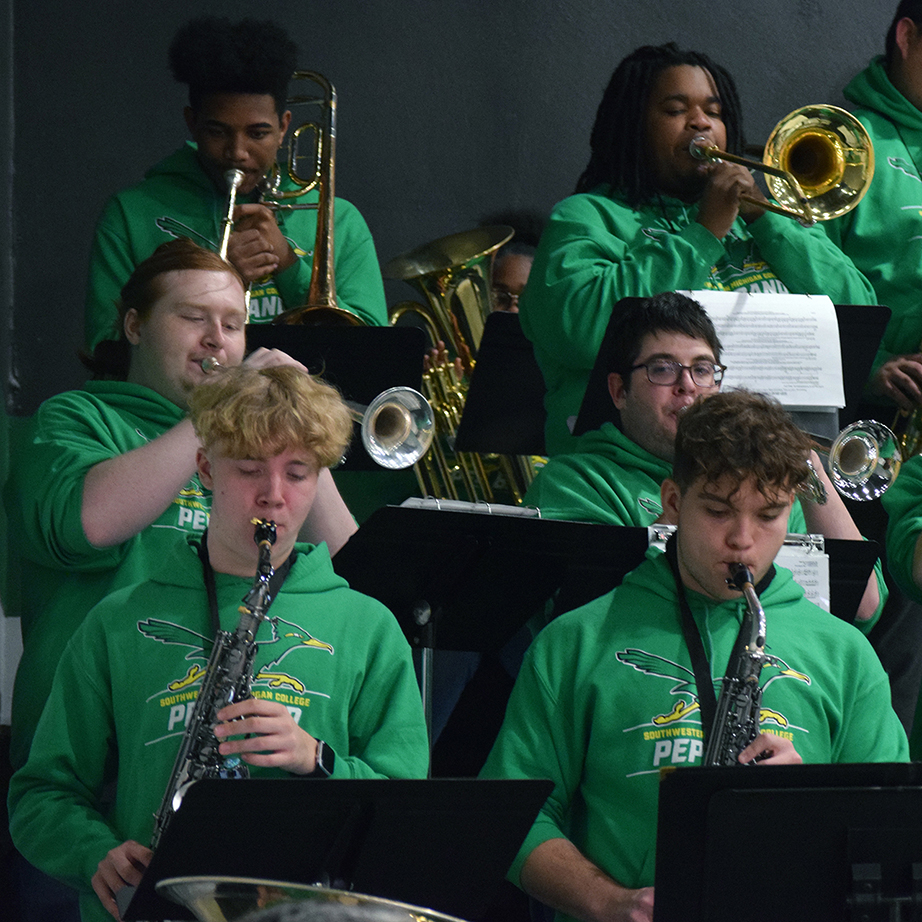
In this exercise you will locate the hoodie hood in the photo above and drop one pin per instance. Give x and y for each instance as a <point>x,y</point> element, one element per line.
<point>872,89</point>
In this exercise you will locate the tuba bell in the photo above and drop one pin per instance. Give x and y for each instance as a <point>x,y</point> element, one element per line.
<point>453,274</point>
<point>818,163</point>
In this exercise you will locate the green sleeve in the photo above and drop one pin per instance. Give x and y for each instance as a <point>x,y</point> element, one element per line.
<point>903,504</point>
<point>111,263</point>
<point>808,262</point>
<point>359,287</point>
<point>593,252</point>
<point>539,739</point>
<point>54,798</point>
<point>387,730</point>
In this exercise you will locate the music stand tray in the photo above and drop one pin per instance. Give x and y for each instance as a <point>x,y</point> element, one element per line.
<point>441,844</point>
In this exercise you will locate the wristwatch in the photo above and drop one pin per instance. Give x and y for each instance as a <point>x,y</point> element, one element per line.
<point>325,761</point>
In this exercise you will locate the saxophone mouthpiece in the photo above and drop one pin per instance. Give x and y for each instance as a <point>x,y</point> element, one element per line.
<point>210,364</point>
<point>265,531</point>
<point>740,575</point>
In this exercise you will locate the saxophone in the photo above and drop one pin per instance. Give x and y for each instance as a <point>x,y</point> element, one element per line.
<point>227,679</point>
<point>736,722</point>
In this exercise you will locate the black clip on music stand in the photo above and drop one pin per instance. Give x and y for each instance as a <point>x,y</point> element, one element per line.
<point>440,844</point>
<point>469,581</point>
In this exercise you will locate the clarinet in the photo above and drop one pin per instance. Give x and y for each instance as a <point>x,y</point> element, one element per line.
<point>227,679</point>
<point>736,721</point>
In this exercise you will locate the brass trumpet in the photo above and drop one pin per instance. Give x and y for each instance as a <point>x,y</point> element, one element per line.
<point>397,427</point>
<point>818,161</point>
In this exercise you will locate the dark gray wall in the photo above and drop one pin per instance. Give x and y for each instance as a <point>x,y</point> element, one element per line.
<point>447,110</point>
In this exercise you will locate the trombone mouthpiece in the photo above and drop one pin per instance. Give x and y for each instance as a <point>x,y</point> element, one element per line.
<point>699,148</point>
<point>233,178</point>
<point>210,364</point>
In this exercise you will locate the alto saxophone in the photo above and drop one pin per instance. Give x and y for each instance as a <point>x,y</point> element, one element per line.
<point>736,722</point>
<point>227,679</point>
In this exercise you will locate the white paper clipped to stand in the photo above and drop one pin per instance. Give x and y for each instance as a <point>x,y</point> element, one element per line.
<point>783,345</point>
<point>804,555</point>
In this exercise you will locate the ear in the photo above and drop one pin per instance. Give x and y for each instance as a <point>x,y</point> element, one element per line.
<point>906,33</point>
<point>285,121</point>
<point>204,469</point>
<point>132,326</point>
<point>617,389</point>
<point>671,500</point>
<point>188,113</point>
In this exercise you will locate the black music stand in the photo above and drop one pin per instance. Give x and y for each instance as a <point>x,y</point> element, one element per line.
<point>443,844</point>
<point>504,409</point>
<point>360,361</point>
<point>793,842</point>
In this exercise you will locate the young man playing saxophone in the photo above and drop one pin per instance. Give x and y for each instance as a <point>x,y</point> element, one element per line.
<point>330,665</point>
<point>607,695</point>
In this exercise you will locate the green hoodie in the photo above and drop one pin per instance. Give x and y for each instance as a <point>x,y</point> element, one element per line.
<point>62,575</point>
<point>596,249</point>
<point>127,683</point>
<point>883,233</point>
<point>178,199</point>
<point>606,698</point>
<point>611,480</point>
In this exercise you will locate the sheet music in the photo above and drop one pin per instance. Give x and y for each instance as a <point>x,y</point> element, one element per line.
<point>783,345</point>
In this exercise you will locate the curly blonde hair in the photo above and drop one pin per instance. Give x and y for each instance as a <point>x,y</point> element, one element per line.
<point>259,413</point>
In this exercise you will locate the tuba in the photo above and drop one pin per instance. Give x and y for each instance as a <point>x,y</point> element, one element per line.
<point>818,161</point>
<point>321,306</point>
<point>453,275</point>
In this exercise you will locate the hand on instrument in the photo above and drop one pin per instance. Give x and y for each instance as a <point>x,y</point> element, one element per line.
<point>900,379</point>
<point>123,866</point>
<point>769,749</point>
<point>271,736</point>
<point>271,358</point>
<point>257,247</point>
<point>720,202</point>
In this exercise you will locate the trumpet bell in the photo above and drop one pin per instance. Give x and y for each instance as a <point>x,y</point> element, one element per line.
<point>397,427</point>
<point>830,154</point>
<point>864,460</point>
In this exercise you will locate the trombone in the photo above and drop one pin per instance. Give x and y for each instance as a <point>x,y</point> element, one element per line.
<point>818,161</point>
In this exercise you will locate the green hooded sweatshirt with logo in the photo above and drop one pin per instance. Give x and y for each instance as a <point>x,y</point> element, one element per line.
<point>177,198</point>
<point>59,576</point>
<point>597,249</point>
<point>883,233</point>
<point>336,659</point>
<point>606,699</point>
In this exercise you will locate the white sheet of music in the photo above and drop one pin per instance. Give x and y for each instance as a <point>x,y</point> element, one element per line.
<point>783,345</point>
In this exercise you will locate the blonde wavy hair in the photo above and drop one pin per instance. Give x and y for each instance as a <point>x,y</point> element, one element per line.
<point>259,413</point>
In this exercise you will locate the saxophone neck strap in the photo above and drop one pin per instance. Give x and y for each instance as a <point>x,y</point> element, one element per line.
<point>707,700</point>
<point>275,581</point>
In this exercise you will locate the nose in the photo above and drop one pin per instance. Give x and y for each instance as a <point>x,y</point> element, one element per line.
<point>740,533</point>
<point>235,149</point>
<point>699,119</point>
<point>685,383</point>
<point>214,336</point>
<point>270,493</point>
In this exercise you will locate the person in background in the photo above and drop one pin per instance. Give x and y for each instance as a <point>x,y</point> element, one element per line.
<point>334,694</point>
<point>238,75</point>
<point>648,217</point>
<point>608,695</point>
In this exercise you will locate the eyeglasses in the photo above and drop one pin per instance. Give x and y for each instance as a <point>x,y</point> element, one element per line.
<point>666,373</point>
<point>505,300</point>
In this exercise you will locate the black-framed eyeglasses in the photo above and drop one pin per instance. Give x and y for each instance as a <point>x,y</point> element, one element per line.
<point>666,373</point>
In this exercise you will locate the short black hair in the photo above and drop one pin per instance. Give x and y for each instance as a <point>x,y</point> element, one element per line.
<point>906,8</point>
<point>618,143</point>
<point>668,312</point>
<point>214,55</point>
